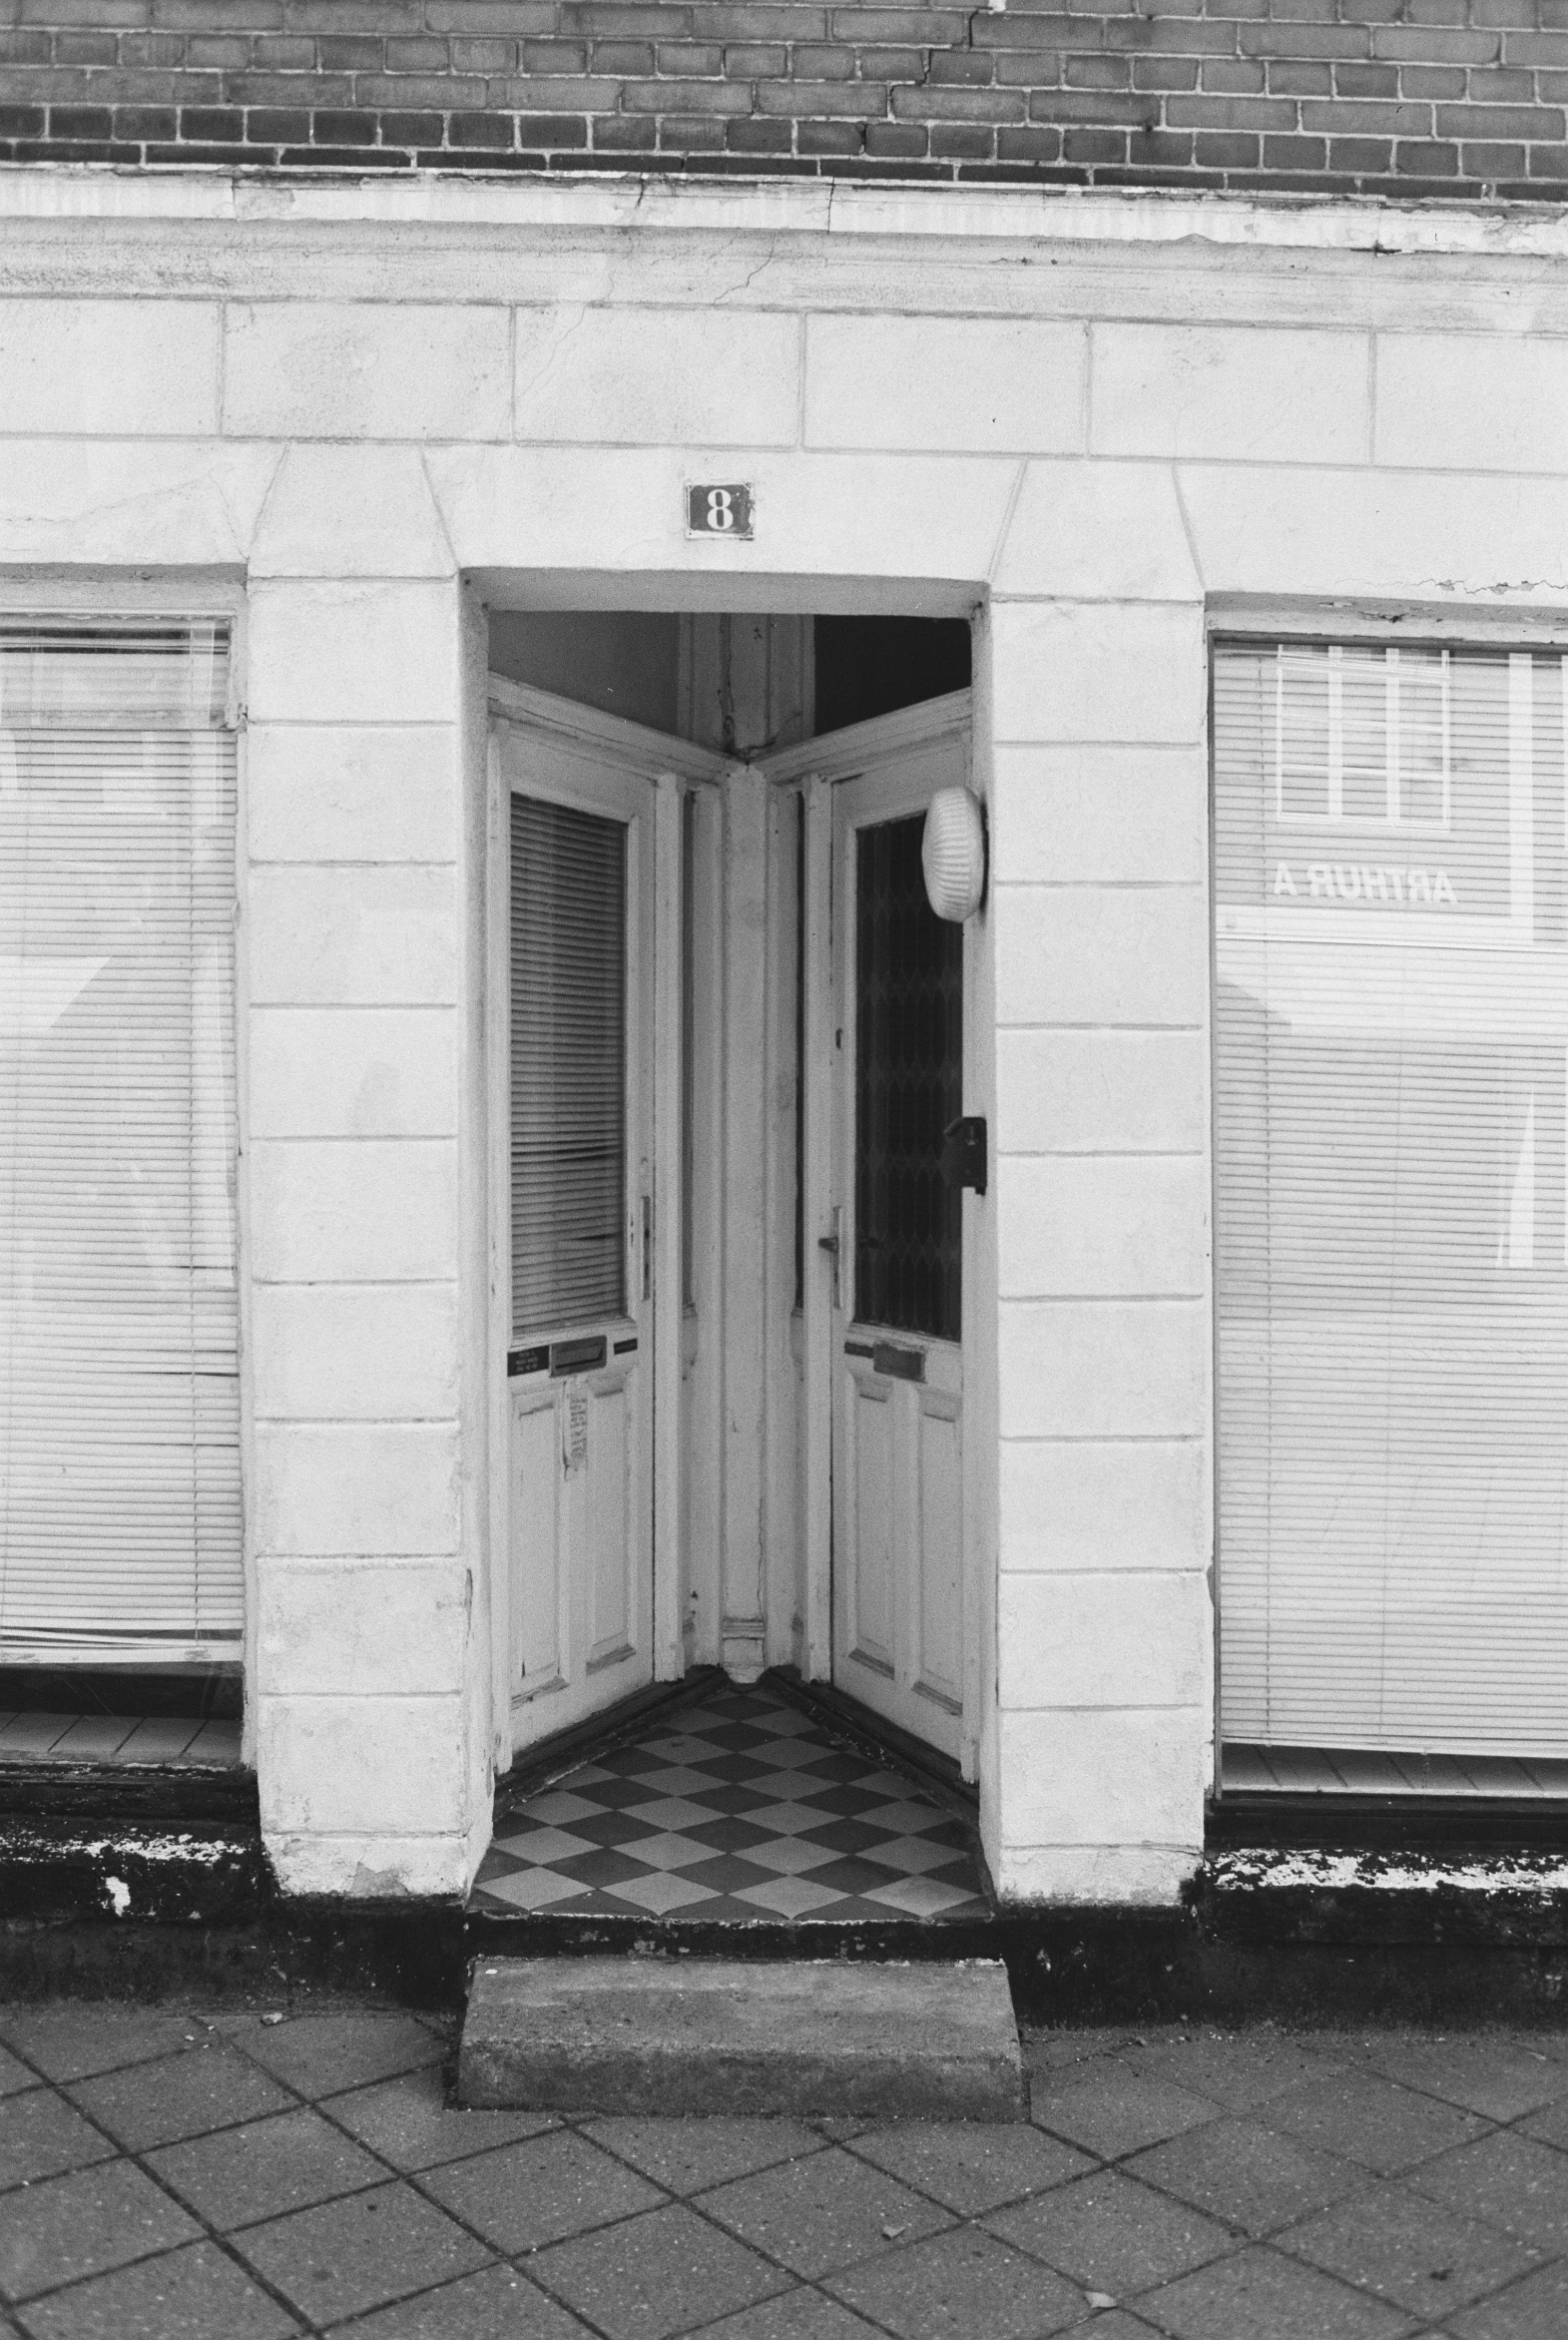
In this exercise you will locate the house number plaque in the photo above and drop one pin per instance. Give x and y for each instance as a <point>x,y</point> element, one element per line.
<point>723,508</point>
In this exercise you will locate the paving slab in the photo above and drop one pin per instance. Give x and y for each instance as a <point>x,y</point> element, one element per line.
<point>720,2036</point>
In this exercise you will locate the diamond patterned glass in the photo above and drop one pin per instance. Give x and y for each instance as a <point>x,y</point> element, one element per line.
<point>908,1088</point>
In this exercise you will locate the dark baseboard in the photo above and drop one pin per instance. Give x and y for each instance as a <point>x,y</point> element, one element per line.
<point>1449,1823</point>
<point>199,1693</point>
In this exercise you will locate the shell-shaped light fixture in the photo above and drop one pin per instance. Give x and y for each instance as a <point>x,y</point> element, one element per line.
<point>952,855</point>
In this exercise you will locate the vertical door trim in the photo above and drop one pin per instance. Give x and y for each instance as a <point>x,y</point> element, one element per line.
<point>669,1651</point>
<point>817,1276</point>
<point>498,1071</point>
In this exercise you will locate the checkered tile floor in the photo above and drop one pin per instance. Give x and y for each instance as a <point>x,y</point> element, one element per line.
<point>738,1808</point>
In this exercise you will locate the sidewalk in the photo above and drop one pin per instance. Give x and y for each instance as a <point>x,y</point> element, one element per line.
<point>170,2177</point>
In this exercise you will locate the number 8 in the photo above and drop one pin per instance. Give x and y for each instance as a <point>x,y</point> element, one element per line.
<point>721,514</point>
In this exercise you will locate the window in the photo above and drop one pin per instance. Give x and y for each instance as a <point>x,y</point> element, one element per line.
<point>568,1066</point>
<point>1391,1037</point>
<point>119,1521</point>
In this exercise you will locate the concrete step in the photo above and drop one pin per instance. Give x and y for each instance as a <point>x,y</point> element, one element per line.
<point>651,2036</point>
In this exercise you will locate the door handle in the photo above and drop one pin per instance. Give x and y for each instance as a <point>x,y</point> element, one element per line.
<point>831,1245</point>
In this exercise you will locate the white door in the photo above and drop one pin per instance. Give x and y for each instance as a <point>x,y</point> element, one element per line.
<point>575,860</point>
<point>896,1274</point>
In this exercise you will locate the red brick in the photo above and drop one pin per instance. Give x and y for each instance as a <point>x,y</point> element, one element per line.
<point>1161,149</point>
<point>1366,80</point>
<point>1307,40</point>
<point>822,61</point>
<point>285,126</point>
<point>1090,105</point>
<point>137,123</point>
<point>417,56</point>
<point>281,53</point>
<point>635,59</point>
<point>86,49</point>
<point>828,138</point>
<point>927,28</point>
<point>1528,122</point>
<point>211,125</point>
<point>352,53</point>
<point>1405,42</point>
<point>1220,113</point>
<point>77,122</point>
<point>1165,72</point>
<point>1432,81</point>
<point>759,20</point>
<point>756,61</point>
<point>1492,161</point>
<point>1225,151</point>
<point>1236,77</point>
<point>1099,73</point>
<point>228,55</point>
<point>1027,146</point>
<point>1296,153</point>
<point>687,61</point>
<point>962,143</point>
<point>1337,117</point>
<point>751,137</point>
<point>918,105</point>
<point>1299,77</point>
<point>158,49</point>
<point>487,56</point>
<point>1492,85</point>
<point>619,134</point>
<point>602,20</point>
<point>907,140</point>
<point>1034,69</point>
<point>666,97</point>
<point>828,100</point>
<point>1026,33</point>
<point>691,134</point>
<point>558,93</point>
<point>1426,159</point>
<point>1094,147</point>
<point>1360,155</point>
<point>413,130</point>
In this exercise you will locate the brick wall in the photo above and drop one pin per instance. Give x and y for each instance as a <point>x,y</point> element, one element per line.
<point>1411,97</point>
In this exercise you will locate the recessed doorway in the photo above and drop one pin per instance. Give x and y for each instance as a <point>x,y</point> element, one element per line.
<point>731,1274</point>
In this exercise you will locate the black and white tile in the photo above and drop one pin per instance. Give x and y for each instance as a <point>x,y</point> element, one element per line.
<point>738,1808</point>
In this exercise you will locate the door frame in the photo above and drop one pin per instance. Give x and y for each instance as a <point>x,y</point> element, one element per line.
<point>813,770</point>
<point>674,768</point>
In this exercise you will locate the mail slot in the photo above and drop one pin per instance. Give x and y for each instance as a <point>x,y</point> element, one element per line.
<point>901,1364</point>
<point>577,1356</point>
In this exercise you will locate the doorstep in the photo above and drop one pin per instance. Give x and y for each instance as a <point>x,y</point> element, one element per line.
<point>723,2037</point>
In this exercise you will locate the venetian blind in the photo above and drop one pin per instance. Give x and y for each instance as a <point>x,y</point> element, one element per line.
<point>1391,1034</point>
<point>120,1523</point>
<point>568,1066</point>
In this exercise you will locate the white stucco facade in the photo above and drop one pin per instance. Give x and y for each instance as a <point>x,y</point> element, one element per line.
<point>1100,424</point>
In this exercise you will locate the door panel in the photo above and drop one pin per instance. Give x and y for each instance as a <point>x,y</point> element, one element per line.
<point>580,928</point>
<point>896,1347</point>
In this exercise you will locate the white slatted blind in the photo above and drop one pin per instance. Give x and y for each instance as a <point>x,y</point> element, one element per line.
<point>568,1066</point>
<point>120,1525</point>
<point>1391,1034</point>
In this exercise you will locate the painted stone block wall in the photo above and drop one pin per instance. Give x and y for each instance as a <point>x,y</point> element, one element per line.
<point>1065,444</point>
<point>371,1731</point>
<point>1410,97</point>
